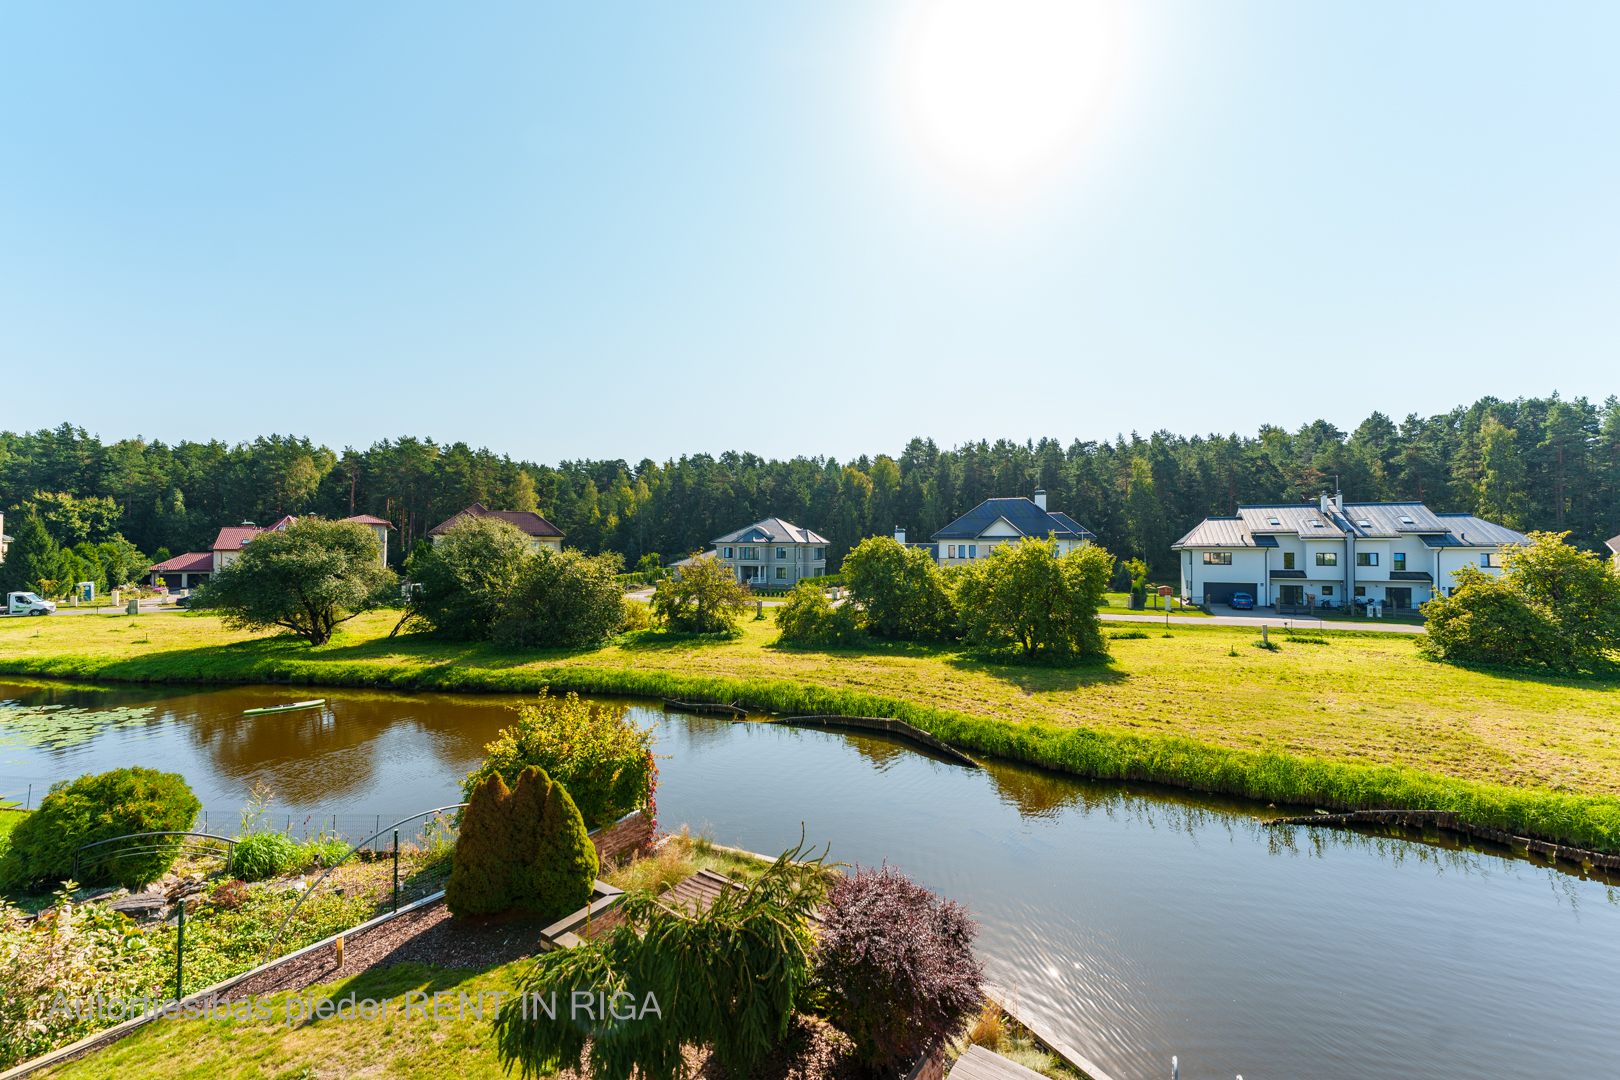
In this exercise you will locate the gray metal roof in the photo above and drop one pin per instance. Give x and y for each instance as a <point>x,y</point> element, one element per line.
<point>1283,575</point>
<point>1022,514</point>
<point>1477,532</point>
<point>1614,545</point>
<point>1258,526</point>
<point>1410,575</point>
<point>771,531</point>
<point>1217,532</point>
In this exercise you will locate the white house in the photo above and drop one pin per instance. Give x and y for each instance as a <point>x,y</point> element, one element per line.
<point>541,533</point>
<point>1336,552</point>
<point>1614,546</point>
<point>773,553</point>
<point>1002,521</point>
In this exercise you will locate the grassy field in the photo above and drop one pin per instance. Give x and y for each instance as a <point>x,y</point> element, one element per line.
<point>1359,720</point>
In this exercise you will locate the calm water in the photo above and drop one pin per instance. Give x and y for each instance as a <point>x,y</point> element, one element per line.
<point>1140,922</point>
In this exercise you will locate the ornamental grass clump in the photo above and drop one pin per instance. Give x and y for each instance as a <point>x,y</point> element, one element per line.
<point>895,964</point>
<point>92,808</point>
<point>727,977</point>
<point>521,849</point>
<point>593,749</point>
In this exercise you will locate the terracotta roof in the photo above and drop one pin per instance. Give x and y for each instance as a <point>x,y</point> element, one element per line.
<point>367,519</point>
<point>235,537</point>
<point>527,521</point>
<point>194,562</point>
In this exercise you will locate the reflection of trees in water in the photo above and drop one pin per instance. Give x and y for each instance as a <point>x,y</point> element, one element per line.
<point>882,753</point>
<point>330,755</point>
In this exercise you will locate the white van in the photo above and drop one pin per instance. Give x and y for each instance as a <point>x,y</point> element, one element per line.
<point>26,603</point>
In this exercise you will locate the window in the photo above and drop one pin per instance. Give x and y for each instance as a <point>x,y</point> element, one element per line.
<point>817,572</point>
<point>1288,560</point>
<point>1217,558</point>
<point>781,573</point>
<point>748,553</point>
<point>1327,590</point>
<point>1400,561</point>
<point>1361,590</point>
<point>973,551</point>
<point>781,553</point>
<point>1274,521</point>
<point>1490,560</point>
<point>818,554</point>
<point>1364,523</point>
<point>1407,521</point>
<point>1327,558</point>
<point>1315,524</point>
<point>729,554</point>
<point>950,551</point>
<point>1366,558</point>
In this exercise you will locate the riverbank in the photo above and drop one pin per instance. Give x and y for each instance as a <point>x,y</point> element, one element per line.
<point>1357,721</point>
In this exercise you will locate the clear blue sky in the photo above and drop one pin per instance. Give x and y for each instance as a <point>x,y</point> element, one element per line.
<point>596,230</point>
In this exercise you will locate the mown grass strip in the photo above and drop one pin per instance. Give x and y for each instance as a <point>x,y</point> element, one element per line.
<point>1587,821</point>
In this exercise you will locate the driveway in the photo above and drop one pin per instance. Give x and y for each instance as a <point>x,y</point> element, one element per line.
<point>1276,622</point>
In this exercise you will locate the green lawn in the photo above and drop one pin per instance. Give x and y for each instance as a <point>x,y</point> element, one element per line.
<point>1362,720</point>
<point>414,1047</point>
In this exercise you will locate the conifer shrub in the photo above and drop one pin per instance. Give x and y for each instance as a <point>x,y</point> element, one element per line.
<point>896,965</point>
<point>480,874</point>
<point>91,808</point>
<point>522,848</point>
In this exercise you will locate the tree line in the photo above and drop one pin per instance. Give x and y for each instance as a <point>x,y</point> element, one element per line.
<point>1532,463</point>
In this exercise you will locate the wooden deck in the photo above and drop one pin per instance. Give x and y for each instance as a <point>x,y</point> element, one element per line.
<point>977,1063</point>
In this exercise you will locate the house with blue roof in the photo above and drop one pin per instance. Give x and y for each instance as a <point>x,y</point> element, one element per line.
<point>1002,521</point>
<point>1334,554</point>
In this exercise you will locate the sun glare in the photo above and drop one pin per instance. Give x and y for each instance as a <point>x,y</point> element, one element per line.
<point>1001,92</point>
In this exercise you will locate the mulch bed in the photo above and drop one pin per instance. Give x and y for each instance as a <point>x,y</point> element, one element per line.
<point>427,935</point>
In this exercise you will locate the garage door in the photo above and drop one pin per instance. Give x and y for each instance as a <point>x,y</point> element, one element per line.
<point>1221,592</point>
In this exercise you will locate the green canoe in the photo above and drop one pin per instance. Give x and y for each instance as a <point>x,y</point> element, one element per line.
<point>286,708</point>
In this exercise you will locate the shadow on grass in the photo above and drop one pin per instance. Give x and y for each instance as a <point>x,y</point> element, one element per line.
<point>1040,677</point>
<point>646,640</point>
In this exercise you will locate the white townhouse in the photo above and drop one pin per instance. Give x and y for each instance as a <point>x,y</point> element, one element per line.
<point>1003,521</point>
<point>773,553</point>
<point>1336,553</point>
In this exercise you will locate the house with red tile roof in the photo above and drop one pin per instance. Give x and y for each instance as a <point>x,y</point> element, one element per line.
<point>193,569</point>
<point>541,533</point>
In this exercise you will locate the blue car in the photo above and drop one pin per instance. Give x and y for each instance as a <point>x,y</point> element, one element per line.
<point>1241,600</point>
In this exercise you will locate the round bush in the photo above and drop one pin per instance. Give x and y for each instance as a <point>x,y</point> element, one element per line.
<point>91,808</point>
<point>896,964</point>
<point>263,855</point>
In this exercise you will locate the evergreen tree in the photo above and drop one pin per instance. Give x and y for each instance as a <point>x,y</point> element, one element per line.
<point>33,561</point>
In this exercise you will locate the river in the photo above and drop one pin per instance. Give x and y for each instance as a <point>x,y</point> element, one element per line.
<point>1139,921</point>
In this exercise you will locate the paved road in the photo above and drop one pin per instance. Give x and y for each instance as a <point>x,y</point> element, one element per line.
<point>148,607</point>
<point>1276,622</point>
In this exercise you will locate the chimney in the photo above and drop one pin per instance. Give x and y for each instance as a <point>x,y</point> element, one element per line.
<point>1327,504</point>
<point>1040,498</point>
<point>899,534</point>
<point>1338,501</point>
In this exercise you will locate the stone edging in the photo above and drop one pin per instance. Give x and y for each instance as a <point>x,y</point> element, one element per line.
<point>1452,821</point>
<point>891,726</point>
<point>118,1031</point>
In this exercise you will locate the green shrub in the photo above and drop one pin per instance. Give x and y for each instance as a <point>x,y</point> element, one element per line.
<point>727,977</point>
<point>591,748</point>
<point>1128,635</point>
<point>1027,596</point>
<point>323,851</point>
<point>900,590</point>
<point>562,599</point>
<point>266,854</point>
<point>522,848</point>
<point>705,598</point>
<point>466,576</point>
<point>91,808</point>
<point>809,618</point>
<point>634,616</point>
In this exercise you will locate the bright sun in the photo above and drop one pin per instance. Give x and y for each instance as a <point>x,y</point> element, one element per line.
<point>1000,92</point>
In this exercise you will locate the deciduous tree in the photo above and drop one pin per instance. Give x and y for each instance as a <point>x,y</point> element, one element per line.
<point>1027,595</point>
